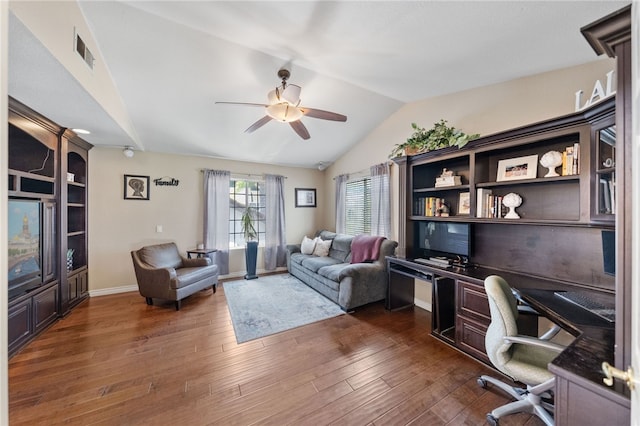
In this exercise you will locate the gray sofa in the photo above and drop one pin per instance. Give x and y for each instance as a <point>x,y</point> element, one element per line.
<point>349,285</point>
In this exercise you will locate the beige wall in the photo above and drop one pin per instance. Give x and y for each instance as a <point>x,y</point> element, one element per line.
<point>483,110</point>
<point>117,226</point>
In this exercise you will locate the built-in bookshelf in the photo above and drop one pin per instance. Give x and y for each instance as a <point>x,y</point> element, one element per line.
<point>565,200</point>
<point>74,286</point>
<point>568,204</point>
<point>47,168</point>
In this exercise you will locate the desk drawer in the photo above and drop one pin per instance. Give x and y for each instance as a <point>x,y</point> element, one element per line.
<point>473,302</point>
<point>470,336</point>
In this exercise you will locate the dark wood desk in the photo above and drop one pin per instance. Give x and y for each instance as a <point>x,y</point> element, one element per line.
<point>200,252</point>
<point>578,369</point>
<point>581,396</point>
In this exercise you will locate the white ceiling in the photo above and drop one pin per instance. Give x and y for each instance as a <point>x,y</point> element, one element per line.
<point>172,60</point>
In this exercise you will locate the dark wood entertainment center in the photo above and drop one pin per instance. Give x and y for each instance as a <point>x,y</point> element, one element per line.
<point>49,164</point>
<point>556,244</point>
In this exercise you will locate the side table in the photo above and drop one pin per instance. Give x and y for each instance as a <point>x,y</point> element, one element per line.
<point>200,252</point>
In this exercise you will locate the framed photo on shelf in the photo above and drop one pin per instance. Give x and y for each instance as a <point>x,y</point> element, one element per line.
<point>518,168</point>
<point>136,187</point>
<point>464,204</point>
<point>305,197</point>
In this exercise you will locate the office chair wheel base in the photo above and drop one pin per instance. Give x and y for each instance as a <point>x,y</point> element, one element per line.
<point>492,420</point>
<point>482,383</point>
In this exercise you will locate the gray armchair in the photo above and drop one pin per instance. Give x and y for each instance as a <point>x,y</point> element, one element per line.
<point>163,273</point>
<point>522,358</point>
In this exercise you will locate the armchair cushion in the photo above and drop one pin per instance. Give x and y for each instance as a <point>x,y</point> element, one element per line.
<point>161,256</point>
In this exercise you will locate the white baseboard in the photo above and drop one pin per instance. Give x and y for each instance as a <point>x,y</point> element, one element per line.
<point>113,290</point>
<point>422,304</point>
<point>134,287</point>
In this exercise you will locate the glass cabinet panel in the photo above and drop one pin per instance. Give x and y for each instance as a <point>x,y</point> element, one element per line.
<point>606,171</point>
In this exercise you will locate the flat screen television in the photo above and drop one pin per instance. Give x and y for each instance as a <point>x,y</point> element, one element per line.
<point>25,248</point>
<point>448,239</point>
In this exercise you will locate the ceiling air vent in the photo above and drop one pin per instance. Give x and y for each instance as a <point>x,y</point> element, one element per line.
<point>83,50</point>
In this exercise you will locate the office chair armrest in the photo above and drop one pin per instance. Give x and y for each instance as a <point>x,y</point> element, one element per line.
<point>523,306</point>
<point>551,333</point>
<point>532,341</point>
<point>527,310</point>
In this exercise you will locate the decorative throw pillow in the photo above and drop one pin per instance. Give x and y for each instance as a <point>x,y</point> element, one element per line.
<point>322,247</point>
<point>307,245</point>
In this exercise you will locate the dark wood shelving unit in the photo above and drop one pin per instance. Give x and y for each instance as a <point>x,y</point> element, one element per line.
<point>41,154</point>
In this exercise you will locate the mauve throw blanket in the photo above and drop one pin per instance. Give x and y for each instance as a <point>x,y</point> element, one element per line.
<point>365,248</point>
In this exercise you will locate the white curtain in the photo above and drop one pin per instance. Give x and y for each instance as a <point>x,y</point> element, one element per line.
<point>275,240</point>
<point>341,195</point>
<point>216,216</point>
<point>380,200</point>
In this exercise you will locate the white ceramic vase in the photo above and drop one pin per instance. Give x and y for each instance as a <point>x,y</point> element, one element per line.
<point>512,200</point>
<point>551,160</point>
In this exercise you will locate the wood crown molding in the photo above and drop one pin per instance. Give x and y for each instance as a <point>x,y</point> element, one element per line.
<point>604,34</point>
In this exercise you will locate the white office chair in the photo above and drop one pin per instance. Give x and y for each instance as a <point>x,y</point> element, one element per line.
<point>522,358</point>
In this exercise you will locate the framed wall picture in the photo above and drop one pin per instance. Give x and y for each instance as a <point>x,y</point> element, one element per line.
<point>518,168</point>
<point>305,197</point>
<point>136,187</point>
<point>464,204</point>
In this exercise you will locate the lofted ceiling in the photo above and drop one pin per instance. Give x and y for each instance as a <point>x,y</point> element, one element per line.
<point>170,61</point>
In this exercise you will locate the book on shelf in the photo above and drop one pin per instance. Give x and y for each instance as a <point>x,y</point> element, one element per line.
<point>605,196</point>
<point>430,207</point>
<point>482,202</point>
<point>612,192</point>
<point>608,195</point>
<point>571,160</point>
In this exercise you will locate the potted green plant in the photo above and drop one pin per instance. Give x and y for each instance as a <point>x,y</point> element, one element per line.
<point>251,238</point>
<point>439,136</point>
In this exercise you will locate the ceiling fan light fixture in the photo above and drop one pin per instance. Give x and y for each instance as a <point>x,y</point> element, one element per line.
<point>128,152</point>
<point>284,112</point>
<point>274,96</point>
<point>291,94</point>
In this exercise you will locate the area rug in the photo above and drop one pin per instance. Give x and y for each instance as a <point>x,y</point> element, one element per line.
<point>274,303</point>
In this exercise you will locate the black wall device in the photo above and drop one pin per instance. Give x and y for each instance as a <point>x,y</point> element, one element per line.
<point>609,251</point>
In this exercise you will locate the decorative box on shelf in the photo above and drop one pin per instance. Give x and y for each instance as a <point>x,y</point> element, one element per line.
<point>447,178</point>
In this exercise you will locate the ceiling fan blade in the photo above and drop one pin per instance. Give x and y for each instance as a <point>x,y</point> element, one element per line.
<point>323,115</point>
<point>300,129</point>
<point>242,103</point>
<point>255,126</point>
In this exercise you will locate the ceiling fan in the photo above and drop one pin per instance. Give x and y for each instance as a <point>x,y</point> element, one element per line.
<point>284,106</point>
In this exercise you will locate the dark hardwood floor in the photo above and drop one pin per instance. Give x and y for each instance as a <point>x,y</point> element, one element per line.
<point>116,361</point>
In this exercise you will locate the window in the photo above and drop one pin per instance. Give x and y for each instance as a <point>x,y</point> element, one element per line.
<point>243,194</point>
<point>358,206</point>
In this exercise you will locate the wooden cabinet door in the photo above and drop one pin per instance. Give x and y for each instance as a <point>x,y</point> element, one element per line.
<point>473,302</point>
<point>45,307</point>
<point>73,288</point>
<point>20,327</point>
<point>83,286</point>
<point>470,335</point>
<point>472,319</point>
